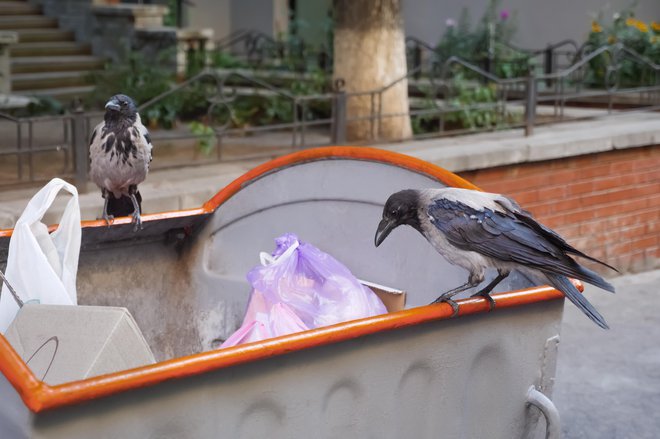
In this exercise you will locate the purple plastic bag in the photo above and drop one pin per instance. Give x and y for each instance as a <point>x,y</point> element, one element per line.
<point>301,287</point>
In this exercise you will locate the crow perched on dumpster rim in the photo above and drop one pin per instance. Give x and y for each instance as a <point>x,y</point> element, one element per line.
<point>120,153</point>
<point>477,230</point>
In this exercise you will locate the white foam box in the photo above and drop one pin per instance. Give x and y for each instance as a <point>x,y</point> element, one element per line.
<point>67,343</point>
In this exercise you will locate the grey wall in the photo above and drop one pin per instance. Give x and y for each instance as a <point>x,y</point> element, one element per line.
<point>252,14</point>
<point>210,13</point>
<point>539,21</point>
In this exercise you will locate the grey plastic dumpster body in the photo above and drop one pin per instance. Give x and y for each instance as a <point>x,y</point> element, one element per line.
<point>409,374</point>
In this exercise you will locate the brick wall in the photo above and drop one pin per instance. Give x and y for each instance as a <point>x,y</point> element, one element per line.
<point>605,204</point>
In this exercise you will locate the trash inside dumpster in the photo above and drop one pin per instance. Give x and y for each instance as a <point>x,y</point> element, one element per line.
<point>412,372</point>
<point>300,287</point>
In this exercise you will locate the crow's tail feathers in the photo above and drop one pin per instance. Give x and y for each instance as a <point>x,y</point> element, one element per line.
<point>122,206</point>
<point>594,278</point>
<point>566,286</point>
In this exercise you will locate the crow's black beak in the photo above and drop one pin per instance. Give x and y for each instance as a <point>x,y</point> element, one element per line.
<point>112,105</point>
<point>384,229</point>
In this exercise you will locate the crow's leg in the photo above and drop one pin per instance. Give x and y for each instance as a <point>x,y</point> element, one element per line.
<point>473,281</point>
<point>485,291</point>
<point>136,208</point>
<point>108,218</point>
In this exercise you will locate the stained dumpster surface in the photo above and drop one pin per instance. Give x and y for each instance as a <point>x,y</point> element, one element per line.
<point>182,279</point>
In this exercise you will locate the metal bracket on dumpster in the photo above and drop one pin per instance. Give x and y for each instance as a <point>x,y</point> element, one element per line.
<point>550,412</point>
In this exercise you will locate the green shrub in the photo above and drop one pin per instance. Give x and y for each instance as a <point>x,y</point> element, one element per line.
<point>490,38</point>
<point>642,38</point>
<point>465,97</point>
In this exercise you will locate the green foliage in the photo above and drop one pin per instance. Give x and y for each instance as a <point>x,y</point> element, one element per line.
<point>39,106</point>
<point>475,107</point>
<point>465,98</point>
<point>224,60</point>
<point>206,139</point>
<point>490,38</point>
<point>254,110</point>
<point>639,36</point>
<point>140,80</point>
<point>171,18</point>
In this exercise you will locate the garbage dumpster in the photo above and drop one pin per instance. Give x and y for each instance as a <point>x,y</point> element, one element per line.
<point>411,373</point>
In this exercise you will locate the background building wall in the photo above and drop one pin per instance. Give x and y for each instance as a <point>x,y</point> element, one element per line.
<point>539,21</point>
<point>214,14</point>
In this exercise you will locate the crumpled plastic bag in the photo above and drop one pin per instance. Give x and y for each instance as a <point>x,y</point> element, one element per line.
<point>43,266</point>
<point>299,287</point>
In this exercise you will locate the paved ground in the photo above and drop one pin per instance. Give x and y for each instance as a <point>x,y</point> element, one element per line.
<point>608,382</point>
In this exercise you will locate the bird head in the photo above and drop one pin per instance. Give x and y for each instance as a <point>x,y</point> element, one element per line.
<point>400,208</point>
<point>120,107</point>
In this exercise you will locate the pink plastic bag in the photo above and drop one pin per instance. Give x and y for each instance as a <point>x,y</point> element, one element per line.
<point>263,320</point>
<point>300,287</point>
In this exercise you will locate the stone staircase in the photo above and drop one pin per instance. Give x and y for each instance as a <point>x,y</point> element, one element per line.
<point>46,61</point>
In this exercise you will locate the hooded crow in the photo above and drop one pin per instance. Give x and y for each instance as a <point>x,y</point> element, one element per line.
<point>120,153</point>
<point>477,230</point>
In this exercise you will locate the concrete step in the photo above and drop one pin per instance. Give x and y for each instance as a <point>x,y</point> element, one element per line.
<point>18,8</point>
<point>22,82</point>
<point>26,22</point>
<point>50,49</point>
<point>36,64</point>
<point>64,94</point>
<point>44,35</point>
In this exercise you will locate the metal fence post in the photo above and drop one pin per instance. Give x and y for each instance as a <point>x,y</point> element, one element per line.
<point>339,118</point>
<point>417,61</point>
<point>80,148</point>
<point>549,63</point>
<point>6,39</point>
<point>530,103</point>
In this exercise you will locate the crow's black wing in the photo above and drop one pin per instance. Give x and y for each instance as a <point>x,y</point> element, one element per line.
<point>551,235</point>
<point>503,236</point>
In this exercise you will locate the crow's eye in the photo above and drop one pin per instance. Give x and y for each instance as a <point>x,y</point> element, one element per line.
<point>394,212</point>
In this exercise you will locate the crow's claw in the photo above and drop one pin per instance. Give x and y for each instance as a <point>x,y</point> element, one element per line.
<point>450,302</point>
<point>491,301</point>
<point>137,220</point>
<point>108,218</point>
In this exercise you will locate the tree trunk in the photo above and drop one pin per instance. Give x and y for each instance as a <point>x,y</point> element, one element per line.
<point>369,54</point>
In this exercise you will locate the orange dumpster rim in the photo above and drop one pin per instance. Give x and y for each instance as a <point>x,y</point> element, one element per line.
<point>39,396</point>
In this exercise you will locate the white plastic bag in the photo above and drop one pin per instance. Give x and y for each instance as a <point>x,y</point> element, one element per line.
<point>43,266</point>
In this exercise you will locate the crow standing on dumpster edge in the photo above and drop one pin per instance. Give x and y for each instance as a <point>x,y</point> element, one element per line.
<point>120,153</point>
<point>477,230</point>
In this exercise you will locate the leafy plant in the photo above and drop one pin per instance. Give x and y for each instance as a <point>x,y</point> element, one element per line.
<point>475,107</point>
<point>467,98</point>
<point>639,36</point>
<point>39,106</point>
<point>224,60</point>
<point>488,44</point>
<point>140,80</point>
<point>206,139</point>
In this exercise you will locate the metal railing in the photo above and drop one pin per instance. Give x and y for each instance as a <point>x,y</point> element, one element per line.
<point>451,104</point>
<point>259,49</point>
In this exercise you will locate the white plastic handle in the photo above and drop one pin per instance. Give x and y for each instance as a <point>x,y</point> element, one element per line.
<point>266,259</point>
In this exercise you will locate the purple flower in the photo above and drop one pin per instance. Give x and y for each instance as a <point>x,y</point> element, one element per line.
<point>450,22</point>
<point>504,15</point>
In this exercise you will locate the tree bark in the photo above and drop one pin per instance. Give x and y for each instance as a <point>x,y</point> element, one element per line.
<point>369,54</point>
